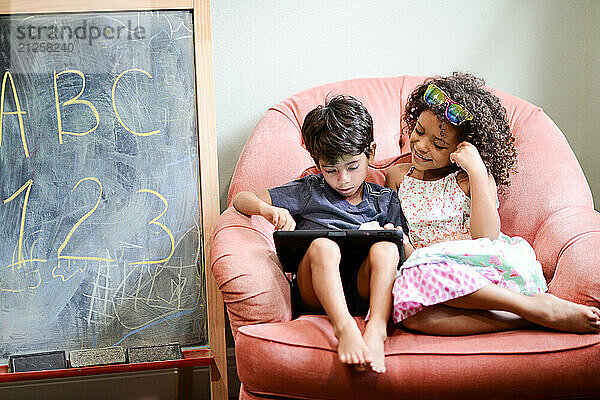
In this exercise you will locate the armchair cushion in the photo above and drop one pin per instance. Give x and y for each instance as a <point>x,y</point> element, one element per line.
<point>302,363</point>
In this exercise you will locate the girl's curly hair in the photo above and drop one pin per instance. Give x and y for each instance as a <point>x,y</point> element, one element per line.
<point>488,131</point>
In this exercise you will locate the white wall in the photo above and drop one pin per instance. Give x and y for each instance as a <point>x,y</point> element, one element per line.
<point>588,146</point>
<point>544,51</point>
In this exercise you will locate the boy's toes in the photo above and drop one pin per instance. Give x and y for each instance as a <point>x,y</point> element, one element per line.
<point>379,370</point>
<point>378,367</point>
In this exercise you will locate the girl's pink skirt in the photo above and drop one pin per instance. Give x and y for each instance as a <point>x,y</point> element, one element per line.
<point>448,270</point>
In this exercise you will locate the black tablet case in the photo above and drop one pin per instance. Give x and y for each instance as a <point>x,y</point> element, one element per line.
<point>292,245</point>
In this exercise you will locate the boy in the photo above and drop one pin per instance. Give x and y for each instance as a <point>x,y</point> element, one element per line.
<point>339,137</point>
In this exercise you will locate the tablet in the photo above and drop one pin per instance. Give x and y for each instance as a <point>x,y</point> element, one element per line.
<point>292,245</point>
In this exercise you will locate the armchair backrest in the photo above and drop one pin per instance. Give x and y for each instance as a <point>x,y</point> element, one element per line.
<point>549,177</point>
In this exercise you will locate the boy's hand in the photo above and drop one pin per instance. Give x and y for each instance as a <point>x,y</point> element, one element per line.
<point>389,225</point>
<point>279,217</point>
<point>467,157</point>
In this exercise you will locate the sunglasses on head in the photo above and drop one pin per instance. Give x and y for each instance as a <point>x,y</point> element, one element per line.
<point>455,113</point>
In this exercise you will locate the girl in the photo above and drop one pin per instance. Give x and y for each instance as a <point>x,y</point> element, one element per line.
<point>462,148</point>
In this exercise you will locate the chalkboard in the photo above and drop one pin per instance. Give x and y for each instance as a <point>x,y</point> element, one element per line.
<point>101,232</point>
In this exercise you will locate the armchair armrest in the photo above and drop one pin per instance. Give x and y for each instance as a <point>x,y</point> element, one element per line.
<point>566,244</point>
<point>248,272</point>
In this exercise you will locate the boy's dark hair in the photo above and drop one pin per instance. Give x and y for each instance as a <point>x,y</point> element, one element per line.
<point>341,127</point>
<point>488,131</point>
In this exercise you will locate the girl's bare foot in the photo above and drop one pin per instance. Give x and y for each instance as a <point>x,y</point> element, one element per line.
<point>352,348</point>
<point>556,313</point>
<point>375,336</point>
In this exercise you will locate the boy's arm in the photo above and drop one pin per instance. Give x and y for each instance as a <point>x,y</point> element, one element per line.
<point>395,216</point>
<point>250,203</point>
<point>260,203</point>
<point>397,220</point>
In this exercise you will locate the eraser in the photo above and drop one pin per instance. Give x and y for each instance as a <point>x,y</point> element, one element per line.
<point>154,353</point>
<point>37,361</point>
<point>100,356</point>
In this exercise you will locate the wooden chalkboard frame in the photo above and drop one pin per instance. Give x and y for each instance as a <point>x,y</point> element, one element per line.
<point>207,153</point>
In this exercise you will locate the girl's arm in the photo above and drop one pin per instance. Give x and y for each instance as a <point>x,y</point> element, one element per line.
<point>485,221</point>
<point>260,203</point>
<point>395,175</point>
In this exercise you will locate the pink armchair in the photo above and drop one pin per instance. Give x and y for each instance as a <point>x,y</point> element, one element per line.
<point>549,204</point>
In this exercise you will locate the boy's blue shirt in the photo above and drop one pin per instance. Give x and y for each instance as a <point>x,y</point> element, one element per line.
<point>316,205</point>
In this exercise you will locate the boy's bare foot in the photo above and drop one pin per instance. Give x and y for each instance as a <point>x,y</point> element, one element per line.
<point>374,336</point>
<point>352,348</point>
<point>556,313</point>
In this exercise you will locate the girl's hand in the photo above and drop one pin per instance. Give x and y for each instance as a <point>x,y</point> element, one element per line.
<point>408,248</point>
<point>467,157</point>
<point>279,217</point>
